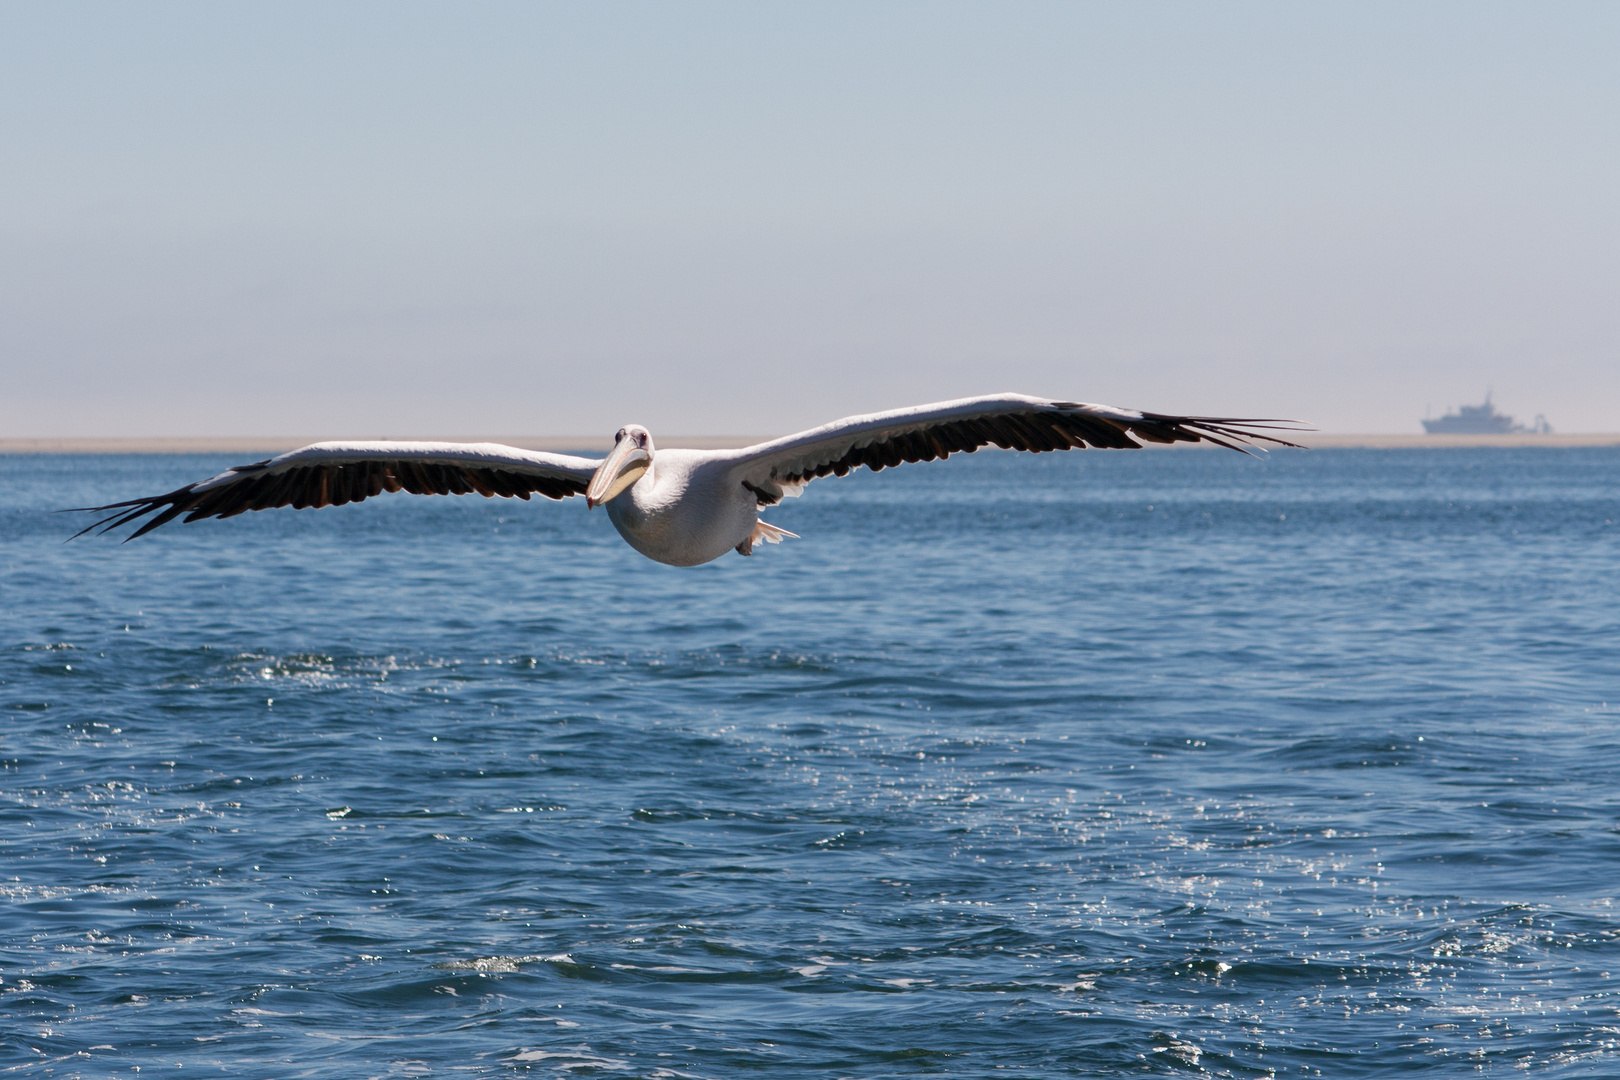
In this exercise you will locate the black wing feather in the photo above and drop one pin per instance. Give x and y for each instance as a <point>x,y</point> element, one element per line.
<point>1038,431</point>
<point>302,486</point>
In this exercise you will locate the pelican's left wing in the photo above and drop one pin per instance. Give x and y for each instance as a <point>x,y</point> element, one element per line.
<point>334,473</point>
<point>1011,421</point>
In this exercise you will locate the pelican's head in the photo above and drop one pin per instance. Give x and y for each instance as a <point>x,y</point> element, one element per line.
<point>632,455</point>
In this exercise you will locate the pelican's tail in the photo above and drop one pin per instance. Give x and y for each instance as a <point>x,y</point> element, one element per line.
<point>771,534</point>
<point>765,533</point>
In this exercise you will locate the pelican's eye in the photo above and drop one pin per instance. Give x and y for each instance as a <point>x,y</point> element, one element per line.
<point>618,437</point>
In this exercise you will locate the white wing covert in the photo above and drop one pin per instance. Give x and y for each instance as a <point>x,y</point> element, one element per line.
<point>335,473</point>
<point>782,467</point>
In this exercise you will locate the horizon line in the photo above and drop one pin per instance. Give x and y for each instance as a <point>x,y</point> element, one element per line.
<point>269,444</point>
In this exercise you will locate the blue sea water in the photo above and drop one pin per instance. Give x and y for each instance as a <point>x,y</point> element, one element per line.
<point>1083,764</point>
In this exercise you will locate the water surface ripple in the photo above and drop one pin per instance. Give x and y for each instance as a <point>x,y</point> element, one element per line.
<point>1076,765</point>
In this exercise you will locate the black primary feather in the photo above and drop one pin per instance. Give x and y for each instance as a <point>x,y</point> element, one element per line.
<point>254,487</point>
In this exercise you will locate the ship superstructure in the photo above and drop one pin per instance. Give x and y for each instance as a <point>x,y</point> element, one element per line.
<point>1482,420</point>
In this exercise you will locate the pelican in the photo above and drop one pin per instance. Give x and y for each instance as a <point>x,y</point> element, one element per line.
<point>680,507</point>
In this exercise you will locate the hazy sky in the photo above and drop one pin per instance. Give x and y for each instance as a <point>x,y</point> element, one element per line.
<point>459,218</point>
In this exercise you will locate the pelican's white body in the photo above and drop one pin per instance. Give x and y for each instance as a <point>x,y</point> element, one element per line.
<point>687,508</point>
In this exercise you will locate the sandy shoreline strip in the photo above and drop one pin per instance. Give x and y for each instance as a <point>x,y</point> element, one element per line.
<point>268,445</point>
<point>275,444</point>
<point>1334,441</point>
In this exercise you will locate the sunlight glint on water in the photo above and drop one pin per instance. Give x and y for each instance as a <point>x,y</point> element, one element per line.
<point>1068,765</point>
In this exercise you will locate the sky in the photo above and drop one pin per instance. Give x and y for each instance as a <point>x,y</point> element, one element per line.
<point>367,219</point>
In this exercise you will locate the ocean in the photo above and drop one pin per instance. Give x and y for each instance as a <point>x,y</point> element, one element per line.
<point>1083,764</point>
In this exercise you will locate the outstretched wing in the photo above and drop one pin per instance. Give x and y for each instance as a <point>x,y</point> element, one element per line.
<point>334,473</point>
<point>783,466</point>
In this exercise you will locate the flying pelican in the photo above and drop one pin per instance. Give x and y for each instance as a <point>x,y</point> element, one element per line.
<point>680,507</point>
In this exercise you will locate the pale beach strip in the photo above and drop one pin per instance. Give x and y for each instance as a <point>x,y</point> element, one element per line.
<point>270,445</point>
<point>1334,441</point>
<point>280,444</point>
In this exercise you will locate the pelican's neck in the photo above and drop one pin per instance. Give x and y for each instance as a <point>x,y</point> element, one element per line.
<point>634,502</point>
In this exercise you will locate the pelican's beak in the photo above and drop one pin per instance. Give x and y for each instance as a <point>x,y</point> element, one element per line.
<point>622,468</point>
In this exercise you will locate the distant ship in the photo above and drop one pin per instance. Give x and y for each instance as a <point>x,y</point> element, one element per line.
<point>1483,420</point>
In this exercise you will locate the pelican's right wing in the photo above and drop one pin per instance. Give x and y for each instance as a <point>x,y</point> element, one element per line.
<point>334,473</point>
<point>1011,421</point>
